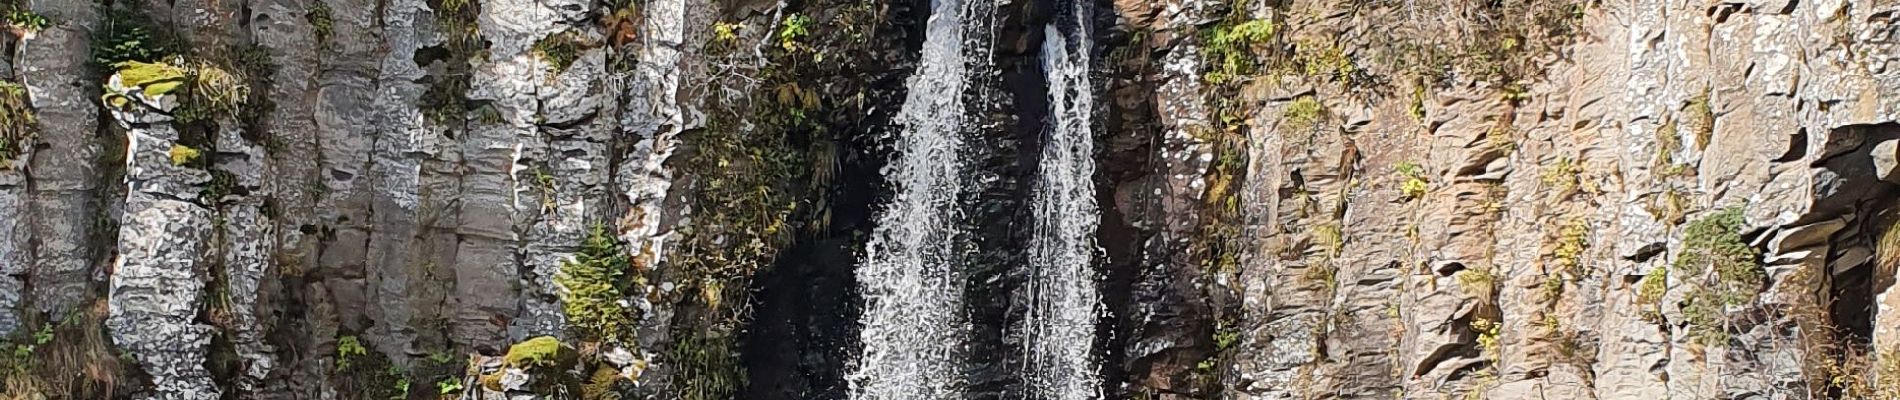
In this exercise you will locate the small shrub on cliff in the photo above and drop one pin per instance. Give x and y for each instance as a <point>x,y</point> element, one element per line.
<point>1229,48</point>
<point>322,22</point>
<point>1572,240</point>
<point>792,30</point>
<point>126,35</point>
<point>1414,185</point>
<point>1720,271</point>
<point>25,20</point>
<point>1303,113</point>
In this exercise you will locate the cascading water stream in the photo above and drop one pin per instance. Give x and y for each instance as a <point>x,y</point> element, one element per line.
<point>1059,326</point>
<point>911,279</point>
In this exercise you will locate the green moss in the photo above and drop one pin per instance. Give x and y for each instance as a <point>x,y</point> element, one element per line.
<point>594,284</point>
<point>539,353</point>
<point>154,79</point>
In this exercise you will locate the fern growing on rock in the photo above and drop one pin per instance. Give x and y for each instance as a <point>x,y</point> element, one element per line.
<point>594,286</point>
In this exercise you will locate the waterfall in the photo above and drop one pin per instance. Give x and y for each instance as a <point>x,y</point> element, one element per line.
<point>911,279</point>
<point>1059,327</point>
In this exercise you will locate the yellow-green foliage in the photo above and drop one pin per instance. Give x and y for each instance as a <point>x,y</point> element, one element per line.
<point>1667,144</point>
<point>792,30</point>
<point>1572,240</point>
<point>1563,177</point>
<point>1230,47</point>
<point>1325,60</point>
<point>182,154</point>
<point>1719,270</point>
<point>1414,185</point>
<point>1654,285</point>
<point>600,384</point>
<point>1421,92</point>
<point>560,50</point>
<point>17,123</point>
<point>211,91</point>
<point>594,284</point>
<point>1477,283</point>
<point>216,92</point>
<point>725,33</point>
<point>365,374</point>
<point>1699,119</point>
<point>1303,113</point>
<point>1887,248</point>
<point>24,19</point>
<point>1488,341</point>
<point>348,349</point>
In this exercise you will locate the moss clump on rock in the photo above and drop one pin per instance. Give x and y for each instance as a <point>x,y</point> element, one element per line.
<point>541,352</point>
<point>182,155</point>
<point>152,78</point>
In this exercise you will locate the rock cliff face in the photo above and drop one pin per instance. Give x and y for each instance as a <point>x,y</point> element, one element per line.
<point>667,199</point>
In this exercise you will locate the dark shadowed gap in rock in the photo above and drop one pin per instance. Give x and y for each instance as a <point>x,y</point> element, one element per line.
<point>1853,287</point>
<point>1797,147</point>
<point>804,332</point>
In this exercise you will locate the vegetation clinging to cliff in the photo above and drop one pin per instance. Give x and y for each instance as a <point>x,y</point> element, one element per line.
<point>1718,270</point>
<point>594,284</point>
<point>17,123</point>
<point>67,359</point>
